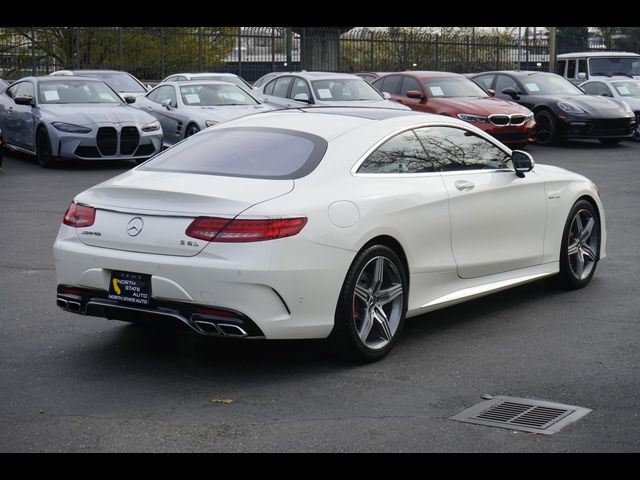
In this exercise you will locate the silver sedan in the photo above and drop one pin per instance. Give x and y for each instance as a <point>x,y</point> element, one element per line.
<point>184,108</point>
<point>74,118</point>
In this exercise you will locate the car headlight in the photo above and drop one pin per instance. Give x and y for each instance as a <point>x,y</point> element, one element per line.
<point>570,108</point>
<point>151,127</point>
<point>528,118</point>
<point>210,123</point>
<point>627,108</point>
<point>467,117</point>
<point>70,127</point>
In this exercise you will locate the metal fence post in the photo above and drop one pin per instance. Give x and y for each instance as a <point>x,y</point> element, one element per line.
<point>239,51</point>
<point>467,47</point>
<point>200,49</point>
<point>161,52</point>
<point>273,49</point>
<point>404,51</point>
<point>497,53</point>
<point>437,52</point>
<point>33,52</point>
<point>371,51</point>
<point>120,46</point>
<point>77,47</point>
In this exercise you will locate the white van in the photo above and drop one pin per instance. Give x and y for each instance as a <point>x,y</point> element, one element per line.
<point>578,67</point>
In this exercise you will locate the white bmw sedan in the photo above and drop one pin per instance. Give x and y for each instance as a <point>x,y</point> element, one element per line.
<point>329,222</point>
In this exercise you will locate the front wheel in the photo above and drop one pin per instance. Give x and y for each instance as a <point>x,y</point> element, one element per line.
<point>192,129</point>
<point>580,249</point>
<point>371,307</point>
<point>43,149</point>
<point>546,130</point>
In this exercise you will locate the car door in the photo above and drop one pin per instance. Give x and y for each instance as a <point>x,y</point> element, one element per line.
<point>389,84</point>
<point>277,90</point>
<point>162,103</point>
<point>19,119</point>
<point>497,218</point>
<point>397,186</point>
<point>411,84</point>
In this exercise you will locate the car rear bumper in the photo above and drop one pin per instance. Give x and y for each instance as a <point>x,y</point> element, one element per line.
<point>287,288</point>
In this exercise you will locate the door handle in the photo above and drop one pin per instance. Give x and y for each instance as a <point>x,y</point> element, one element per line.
<point>149,108</point>
<point>464,186</point>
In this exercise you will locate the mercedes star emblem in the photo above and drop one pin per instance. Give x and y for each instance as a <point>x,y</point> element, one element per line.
<point>135,226</point>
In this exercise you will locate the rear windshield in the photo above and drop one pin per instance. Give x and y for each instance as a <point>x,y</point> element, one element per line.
<point>250,152</point>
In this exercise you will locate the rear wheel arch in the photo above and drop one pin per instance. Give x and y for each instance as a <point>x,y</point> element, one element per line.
<point>393,244</point>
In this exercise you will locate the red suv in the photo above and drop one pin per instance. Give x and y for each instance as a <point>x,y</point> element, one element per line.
<point>455,95</point>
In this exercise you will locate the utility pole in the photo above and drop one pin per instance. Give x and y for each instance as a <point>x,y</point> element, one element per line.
<point>552,49</point>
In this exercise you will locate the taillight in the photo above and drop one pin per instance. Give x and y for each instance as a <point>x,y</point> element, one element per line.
<point>244,230</point>
<point>78,216</point>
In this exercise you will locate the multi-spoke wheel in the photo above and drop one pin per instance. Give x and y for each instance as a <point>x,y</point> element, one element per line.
<point>580,249</point>
<point>546,129</point>
<point>372,305</point>
<point>192,129</point>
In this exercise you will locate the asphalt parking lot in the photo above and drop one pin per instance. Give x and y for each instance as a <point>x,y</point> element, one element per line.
<point>72,383</point>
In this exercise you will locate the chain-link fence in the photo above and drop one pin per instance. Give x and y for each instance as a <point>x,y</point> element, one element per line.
<point>152,53</point>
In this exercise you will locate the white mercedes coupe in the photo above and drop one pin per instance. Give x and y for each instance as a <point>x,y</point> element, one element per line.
<point>330,222</point>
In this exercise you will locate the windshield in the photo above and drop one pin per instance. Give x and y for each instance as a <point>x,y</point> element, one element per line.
<point>225,78</point>
<point>207,95</point>
<point>119,81</point>
<point>75,91</point>
<point>249,152</point>
<point>614,66</point>
<point>447,87</point>
<point>628,89</point>
<point>344,90</point>
<point>549,85</point>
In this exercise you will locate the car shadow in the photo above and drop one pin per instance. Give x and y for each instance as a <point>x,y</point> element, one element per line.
<point>66,165</point>
<point>174,351</point>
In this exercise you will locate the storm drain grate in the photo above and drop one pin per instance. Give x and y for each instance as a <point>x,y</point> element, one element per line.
<point>522,414</point>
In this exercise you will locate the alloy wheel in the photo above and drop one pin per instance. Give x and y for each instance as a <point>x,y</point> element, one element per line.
<point>582,247</point>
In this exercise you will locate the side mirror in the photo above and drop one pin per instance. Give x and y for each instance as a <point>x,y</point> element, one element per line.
<point>511,92</point>
<point>606,95</point>
<point>491,92</point>
<point>24,101</point>
<point>302,97</point>
<point>386,95</point>
<point>522,162</point>
<point>166,104</point>
<point>582,75</point>
<point>417,94</point>
<point>129,99</point>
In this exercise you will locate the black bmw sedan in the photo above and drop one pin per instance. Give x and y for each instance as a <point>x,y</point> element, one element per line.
<point>561,109</point>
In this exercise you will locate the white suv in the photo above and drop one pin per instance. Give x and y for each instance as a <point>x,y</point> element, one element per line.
<point>578,67</point>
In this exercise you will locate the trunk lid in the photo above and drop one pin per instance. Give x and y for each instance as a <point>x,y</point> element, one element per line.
<point>149,212</point>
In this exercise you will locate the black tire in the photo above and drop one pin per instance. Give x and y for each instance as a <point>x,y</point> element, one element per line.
<point>352,309</point>
<point>191,129</point>
<point>636,134</point>
<point>546,130</point>
<point>567,278</point>
<point>43,149</point>
<point>610,141</point>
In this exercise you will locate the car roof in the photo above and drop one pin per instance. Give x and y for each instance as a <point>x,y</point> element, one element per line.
<point>617,78</point>
<point>516,73</point>
<point>597,54</point>
<point>323,75</point>
<point>80,72</point>
<point>195,81</point>
<point>327,122</point>
<point>58,78</point>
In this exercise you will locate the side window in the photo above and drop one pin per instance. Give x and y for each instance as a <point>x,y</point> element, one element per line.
<point>13,89</point>
<point>485,81</point>
<point>571,69</point>
<point>560,67</point>
<point>452,149</point>
<point>300,85</point>
<point>597,88</point>
<point>409,83</point>
<point>582,68</point>
<point>25,90</point>
<point>164,93</point>
<point>505,82</point>
<point>281,87</point>
<point>268,90</point>
<point>152,95</point>
<point>391,84</point>
<point>400,154</point>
